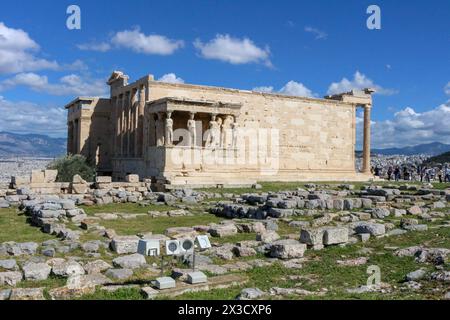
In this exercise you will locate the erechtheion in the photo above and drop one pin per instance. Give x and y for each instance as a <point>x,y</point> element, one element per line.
<point>183,134</point>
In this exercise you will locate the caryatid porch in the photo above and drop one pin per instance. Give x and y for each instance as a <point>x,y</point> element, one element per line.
<point>193,138</point>
<point>174,122</point>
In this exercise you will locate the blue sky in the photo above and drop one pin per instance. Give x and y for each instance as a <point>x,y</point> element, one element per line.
<point>296,47</point>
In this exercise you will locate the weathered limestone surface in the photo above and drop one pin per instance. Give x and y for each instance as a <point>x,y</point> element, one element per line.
<point>316,137</point>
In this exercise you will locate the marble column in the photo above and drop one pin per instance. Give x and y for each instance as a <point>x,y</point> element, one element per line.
<point>140,122</point>
<point>129,122</point>
<point>122,124</point>
<point>366,145</point>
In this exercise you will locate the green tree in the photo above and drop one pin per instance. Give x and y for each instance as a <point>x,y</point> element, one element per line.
<point>71,165</point>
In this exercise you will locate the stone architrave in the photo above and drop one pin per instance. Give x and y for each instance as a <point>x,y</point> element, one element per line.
<point>159,130</point>
<point>366,139</point>
<point>168,130</point>
<point>192,137</point>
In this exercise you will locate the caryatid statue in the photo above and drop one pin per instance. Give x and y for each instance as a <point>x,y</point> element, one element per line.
<point>159,130</point>
<point>219,132</point>
<point>192,134</point>
<point>169,129</point>
<point>225,136</point>
<point>214,132</point>
<point>235,133</point>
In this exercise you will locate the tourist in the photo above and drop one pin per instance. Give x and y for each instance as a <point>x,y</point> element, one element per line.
<point>397,174</point>
<point>422,173</point>
<point>439,174</point>
<point>427,174</point>
<point>405,173</point>
<point>377,171</point>
<point>447,174</point>
<point>389,173</point>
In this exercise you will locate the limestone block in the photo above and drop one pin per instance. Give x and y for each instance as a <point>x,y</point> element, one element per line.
<point>119,274</point>
<point>20,180</point>
<point>50,175</point>
<point>335,235</point>
<point>27,294</point>
<point>78,179</point>
<point>66,269</point>
<point>86,281</point>
<point>223,230</point>
<point>131,261</point>
<point>312,237</point>
<point>375,229</point>
<point>287,249</point>
<point>79,188</point>
<point>36,271</point>
<point>125,244</point>
<point>267,236</point>
<point>10,278</point>
<point>132,178</point>
<point>103,179</point>
<point>37,176</point>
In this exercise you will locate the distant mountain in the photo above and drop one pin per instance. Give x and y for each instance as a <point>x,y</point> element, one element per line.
<point>442,158</point>
<point>36,145</point>
<point>431,149</point>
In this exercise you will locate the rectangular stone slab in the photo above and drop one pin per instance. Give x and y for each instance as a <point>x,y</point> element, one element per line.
<point>165,283</point>
<point>197,277</point>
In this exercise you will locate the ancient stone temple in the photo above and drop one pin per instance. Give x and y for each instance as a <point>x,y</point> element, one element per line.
<point>183,134</point>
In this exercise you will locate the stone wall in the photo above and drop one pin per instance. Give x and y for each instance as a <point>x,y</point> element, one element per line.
<point>315,137</point>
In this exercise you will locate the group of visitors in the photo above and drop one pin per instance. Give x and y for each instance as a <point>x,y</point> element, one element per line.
<point>441,173</point>
<point>423,173</point>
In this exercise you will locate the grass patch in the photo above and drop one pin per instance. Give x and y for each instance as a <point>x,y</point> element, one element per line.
<point>14,227</point>
<point>120,294</point>
<point>157,225</point>
<point>283,186</point>
<point>322,271</point>
<point>124,208</point>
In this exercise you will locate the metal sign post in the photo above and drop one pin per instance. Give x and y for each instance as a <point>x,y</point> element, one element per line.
<point>193,259</point>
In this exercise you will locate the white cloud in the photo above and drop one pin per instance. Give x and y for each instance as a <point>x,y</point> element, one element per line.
<point>290,23</point>
<point>292,88</point>
<point>233,50</point>
<point>27,117</point>
<point>171,78</point>
<point>264,89</point>
<point>447,89</point>
<point>409,127</point>
<point>69,85</point>
<point>360,81</point>
<point>147,44</point>
<point>17,52</point>
<point>92,46</point>
<point>318,34</point>
<point>77,65</point>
